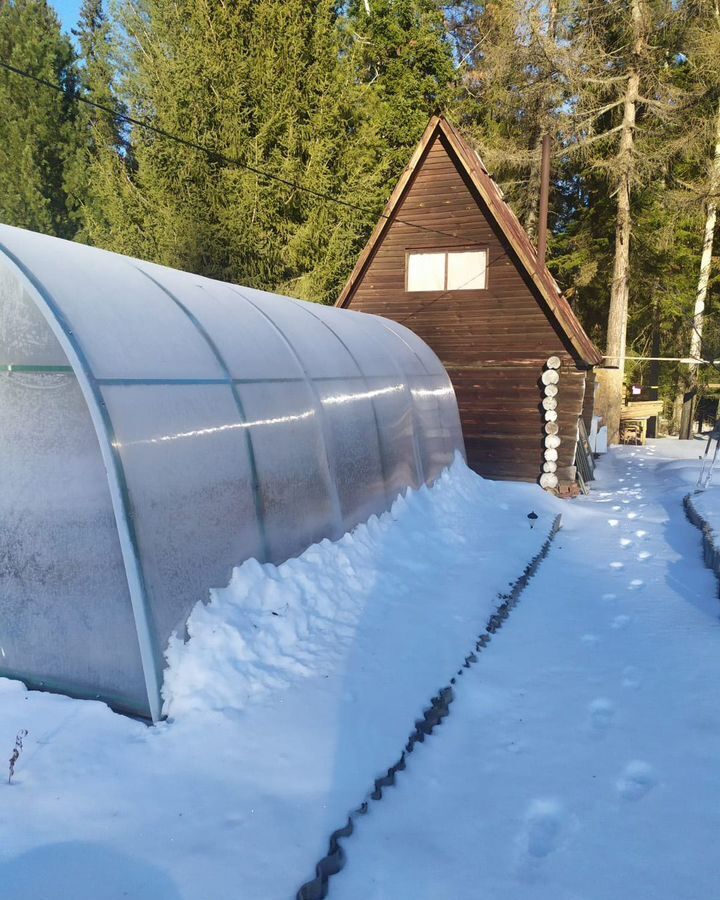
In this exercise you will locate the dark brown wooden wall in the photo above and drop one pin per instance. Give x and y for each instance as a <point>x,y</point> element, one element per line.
<point>494,342</point>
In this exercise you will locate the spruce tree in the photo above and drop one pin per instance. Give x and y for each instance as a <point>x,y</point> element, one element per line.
<point>257,82</point>
<point>396,69</point>
<point>38,135</point>
<point>287,87</point>
<point>103,149</point>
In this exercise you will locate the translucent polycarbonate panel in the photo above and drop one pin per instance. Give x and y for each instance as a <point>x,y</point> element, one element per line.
<point>429,362</point>
<point>396,423</point>
<point>251,347</point>
<point>449,416</point>
<point>125,325</point>
<point>25,336</point>
<point>320,355</point>
<point>365,338</point>
<point>384,358</point>
<point>65,613</point>
<point>354,444</point>
<point>436,444</point>
<point>297,483</point>
<point>185,452</point>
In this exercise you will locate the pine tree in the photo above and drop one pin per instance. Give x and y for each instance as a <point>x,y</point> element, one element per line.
<point>621,67</point>
<point>38,135</point>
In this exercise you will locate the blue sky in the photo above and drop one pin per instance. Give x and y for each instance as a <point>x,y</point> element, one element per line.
<point>68,10</point>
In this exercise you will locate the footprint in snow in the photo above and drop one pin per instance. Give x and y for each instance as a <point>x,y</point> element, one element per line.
<point>636,584</point>
<point>625,542</point>
<point>632,515</point>
<point>616,508</point>
<point>637,779</point>
<point>602,713</point>
<point>613,523</point>
<point>620,622</point>
<point>644,555</point>
<point>631,677</point>
<point>617,565</point>
<point>640,533</point>
<point>543,827</point>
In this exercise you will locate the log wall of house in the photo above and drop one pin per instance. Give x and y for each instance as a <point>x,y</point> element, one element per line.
<point>494,342</point>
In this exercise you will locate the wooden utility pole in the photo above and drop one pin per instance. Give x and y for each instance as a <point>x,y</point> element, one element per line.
<point>544,201</point>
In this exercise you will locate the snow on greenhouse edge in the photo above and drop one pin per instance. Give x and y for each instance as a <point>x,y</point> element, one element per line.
<point>274,624</point>
<point>278,727</point>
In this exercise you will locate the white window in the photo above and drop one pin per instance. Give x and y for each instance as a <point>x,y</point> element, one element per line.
<point>462,270</point>
<point>467,271</point>
<point>426,272</point>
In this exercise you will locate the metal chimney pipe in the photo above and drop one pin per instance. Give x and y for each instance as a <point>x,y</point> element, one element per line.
<point>544,195</point>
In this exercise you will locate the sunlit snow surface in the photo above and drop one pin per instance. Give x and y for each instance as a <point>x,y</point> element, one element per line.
<point>580,761</point>
<point>299,685</point>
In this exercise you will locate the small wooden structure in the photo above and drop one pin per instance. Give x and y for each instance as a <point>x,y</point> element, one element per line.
<point>634,418</point>
<point>450,260</point>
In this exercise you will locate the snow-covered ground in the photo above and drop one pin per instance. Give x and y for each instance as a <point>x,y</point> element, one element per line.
<point>707,503</point>
<point>581,758</point>
<point>579,762</point>
<point>300,684</point>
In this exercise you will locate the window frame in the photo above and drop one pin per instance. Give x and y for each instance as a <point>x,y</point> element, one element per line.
<point>446,251</point>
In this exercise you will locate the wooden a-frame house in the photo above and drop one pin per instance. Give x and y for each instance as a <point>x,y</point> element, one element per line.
<point>450,260</point>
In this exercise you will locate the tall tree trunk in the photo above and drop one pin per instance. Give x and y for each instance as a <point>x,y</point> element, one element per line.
<point>702,285</point>
<point>619,294</point>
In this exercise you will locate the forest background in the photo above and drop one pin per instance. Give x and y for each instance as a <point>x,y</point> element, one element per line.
<point>330,98</point>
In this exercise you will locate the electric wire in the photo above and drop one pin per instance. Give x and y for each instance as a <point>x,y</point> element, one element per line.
<point>215,155</point>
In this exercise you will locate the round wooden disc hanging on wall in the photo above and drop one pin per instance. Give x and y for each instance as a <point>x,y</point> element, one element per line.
<point>551,390</point>
<point>553,362</point>
<point>549,403</point>
<point>550,376</point>
<point>552,428</point>
<point>550,415</point>
<point>549,466</point>
<point>552,440</point>
<point>551,454</point>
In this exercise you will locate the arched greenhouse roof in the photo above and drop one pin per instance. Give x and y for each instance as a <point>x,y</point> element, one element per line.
<point>159,428</point>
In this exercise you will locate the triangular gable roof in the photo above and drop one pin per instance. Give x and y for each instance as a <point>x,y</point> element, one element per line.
<point>506,220</point>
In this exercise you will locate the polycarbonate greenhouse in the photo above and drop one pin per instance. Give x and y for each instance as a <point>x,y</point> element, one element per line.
<point>158,428</point>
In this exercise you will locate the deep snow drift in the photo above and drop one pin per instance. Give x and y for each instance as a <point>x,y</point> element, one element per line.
<point>580,759</point>
<point>300,683</point>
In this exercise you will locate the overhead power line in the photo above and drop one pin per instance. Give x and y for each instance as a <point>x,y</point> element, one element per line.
<point>213,154</point>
